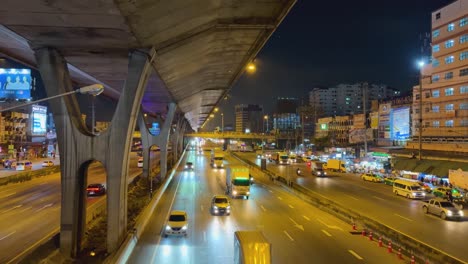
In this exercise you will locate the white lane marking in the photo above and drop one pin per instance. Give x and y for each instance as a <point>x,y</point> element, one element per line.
<point>1,238</point>
<point>42,183</point>
<point>326,233</point>
<point>263,208</point>
<point>13,208</point>
<point>270,191</point>
<point>201,207</point>
<point>352,197</point>
<point>379,198</point>
<point>10,194</point>
<point>404,217</point>
<point>291,206</point>
<point>279,197</point>
<point>301,227</point>
<point>25,209</point>
<point>306,218</point>
<point>330,226</point>
<point>204,236</point>
<point>355,254</point>
<point>288,235</point>
<point>44,207</point>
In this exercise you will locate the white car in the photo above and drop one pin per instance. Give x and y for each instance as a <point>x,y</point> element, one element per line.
<point>22,165</point>
<point>177,224</point>
<point>140,163</point>
<point>47,163</point>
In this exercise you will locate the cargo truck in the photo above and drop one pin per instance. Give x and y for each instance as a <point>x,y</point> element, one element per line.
<point>238,181</point>
<point>217,158</point>
<point>335,165</point>
<point>251,247</point>
<point>281,158</point>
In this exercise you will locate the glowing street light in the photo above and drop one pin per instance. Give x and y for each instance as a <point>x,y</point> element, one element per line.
<point>251,68</point>
<point>216,109</point>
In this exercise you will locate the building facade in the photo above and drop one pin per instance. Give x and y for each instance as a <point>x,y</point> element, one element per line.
<point>249,118</point>
<point>441,101</point>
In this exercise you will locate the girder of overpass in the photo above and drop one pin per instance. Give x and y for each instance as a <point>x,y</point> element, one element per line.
<point>195,51</point>
<point>233,135</point>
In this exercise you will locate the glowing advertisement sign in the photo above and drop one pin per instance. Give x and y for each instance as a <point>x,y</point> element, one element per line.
<point>15,83</point>
<point>154,129</point>
<point>39,120</point>
<point>400,123</point>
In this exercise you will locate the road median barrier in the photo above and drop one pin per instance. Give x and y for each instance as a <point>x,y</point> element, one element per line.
<point>23,176</point>
<point>411,246</point>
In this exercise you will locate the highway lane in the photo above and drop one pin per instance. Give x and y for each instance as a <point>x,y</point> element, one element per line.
<point>37,165</point>
<point>30,210</point>
<point>299,233</point>
<point>377,201</point>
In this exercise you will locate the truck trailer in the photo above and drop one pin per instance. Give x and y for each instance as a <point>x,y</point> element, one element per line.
<point>251,247</point>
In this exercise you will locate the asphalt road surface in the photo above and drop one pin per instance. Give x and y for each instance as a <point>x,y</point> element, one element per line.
<point>299,232</point>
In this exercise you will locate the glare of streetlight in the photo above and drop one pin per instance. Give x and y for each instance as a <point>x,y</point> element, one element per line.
<point>420,63</point>
<point>212,115</point>
<point>251,67</point>
<point>94,89</point>
<point>265,117</point>
<point>216,109</point>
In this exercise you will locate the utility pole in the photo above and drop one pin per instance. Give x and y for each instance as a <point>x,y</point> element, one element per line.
<point>364,109</point>
<point>420,112</point>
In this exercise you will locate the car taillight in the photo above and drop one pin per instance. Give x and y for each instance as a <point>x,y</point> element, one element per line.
<point>93,189</point>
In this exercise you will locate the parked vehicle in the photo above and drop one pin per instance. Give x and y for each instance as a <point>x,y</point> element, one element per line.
<point>220,205</point>
<point>47,163</point>
<point>96,189</point>
<point>251,247</point>
<point>335,165</point>
<point>443,209</point>
<point>371,177</point>
<point>140,163</point>
<point>238,181</point>
<point>177,224</point>
<point>408,188</point>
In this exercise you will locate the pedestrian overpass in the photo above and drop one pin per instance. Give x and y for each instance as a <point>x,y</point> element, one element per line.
<point>233,135</point>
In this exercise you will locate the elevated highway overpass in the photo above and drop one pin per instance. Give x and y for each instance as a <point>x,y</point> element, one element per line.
<point>174,60</point>
<point>233,135</point>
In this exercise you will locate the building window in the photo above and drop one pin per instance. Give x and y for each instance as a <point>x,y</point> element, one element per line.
<point>449,43</point>
<point>463,55</point>
<point>463,38</point>
<point>438,15</point>
<point>435,62</point>
<point>449,107</point>
<point>464,123</point>
<point>435,93</point>
<point>449,59</point>
<point>464,72</point>
<point>463,21</point>
<point>435,109</point>
<point>450,27</point>
<point>448,91</point>
<point>463,89</point>
<point>448,75</point>
<point>427,95</point>
<point>435,33</point>
<point>463,106</point>
<point>436,48</point>
<point>449,123</point>
<point>417,96</point>
<point>427,124</point>
<point>436,78</point>
<point>435,123</point>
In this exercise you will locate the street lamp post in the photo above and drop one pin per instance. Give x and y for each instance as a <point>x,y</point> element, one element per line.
<point>266,118</point>
<point>421,64</point>
<point>222,122</point>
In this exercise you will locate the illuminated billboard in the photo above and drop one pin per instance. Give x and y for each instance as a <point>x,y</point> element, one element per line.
<point>400,123</point>
<point>15,83</point>
<point>39,120</point>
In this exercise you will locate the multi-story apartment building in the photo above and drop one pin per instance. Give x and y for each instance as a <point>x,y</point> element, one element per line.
<point>442,97</point>
<point>249,118</point>
<point>347,99</point>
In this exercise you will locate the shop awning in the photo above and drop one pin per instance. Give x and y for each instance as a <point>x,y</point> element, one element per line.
<point>435,167</point>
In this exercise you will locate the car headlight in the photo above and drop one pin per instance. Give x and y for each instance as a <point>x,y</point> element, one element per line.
<point>424,194</point>
<point>414,194</point>
<point>185,166</point>
<point>460,212</point>
<point>248,193</point>
<point>449,213</point>
<point>234,192</point>
<point>222,165</point>
<point>168,227</point>
<point>184,227</point>
<point>325,173</point>
<point>215,207</point>
<point>228,207</point>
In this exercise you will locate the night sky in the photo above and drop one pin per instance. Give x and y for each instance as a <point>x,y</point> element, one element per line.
<point>324,43</point>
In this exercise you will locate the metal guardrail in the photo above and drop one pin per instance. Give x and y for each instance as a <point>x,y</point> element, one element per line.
<point>419,249</point>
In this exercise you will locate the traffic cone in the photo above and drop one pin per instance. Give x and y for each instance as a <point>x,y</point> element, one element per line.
<point>412,260</point>
<point>380,241</point>
<point>370,236</point>
<point>389,248</point>
<point>399,254</point>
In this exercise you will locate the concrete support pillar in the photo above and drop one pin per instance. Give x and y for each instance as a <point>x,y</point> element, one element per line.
<point>161,140</point>
<point>78,147</point>
<point>181,135</point>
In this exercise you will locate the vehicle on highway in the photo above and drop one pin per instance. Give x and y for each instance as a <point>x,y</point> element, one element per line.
<point>220,205</point>
<point>238,181</point>
<point>281,158</point>
<point>428,187</point>
<point>442,193</point>
<point>47,163</point>
<point>408,188</point>
<point>96,189</point>
<point>189,165</point>
<point>390,180</point>
<point>292,158</point>
<point>140,163</point>
<point>443,209</point>
<point>177,224</point>
<point>371,177</point>
<point>319,172</point>
<point>22,165</point>
<point>335,165</point>
<point>251,247</point>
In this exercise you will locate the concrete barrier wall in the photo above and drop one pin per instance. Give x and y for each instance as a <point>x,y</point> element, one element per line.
<point>408,244</point>
<point>29,175</point>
